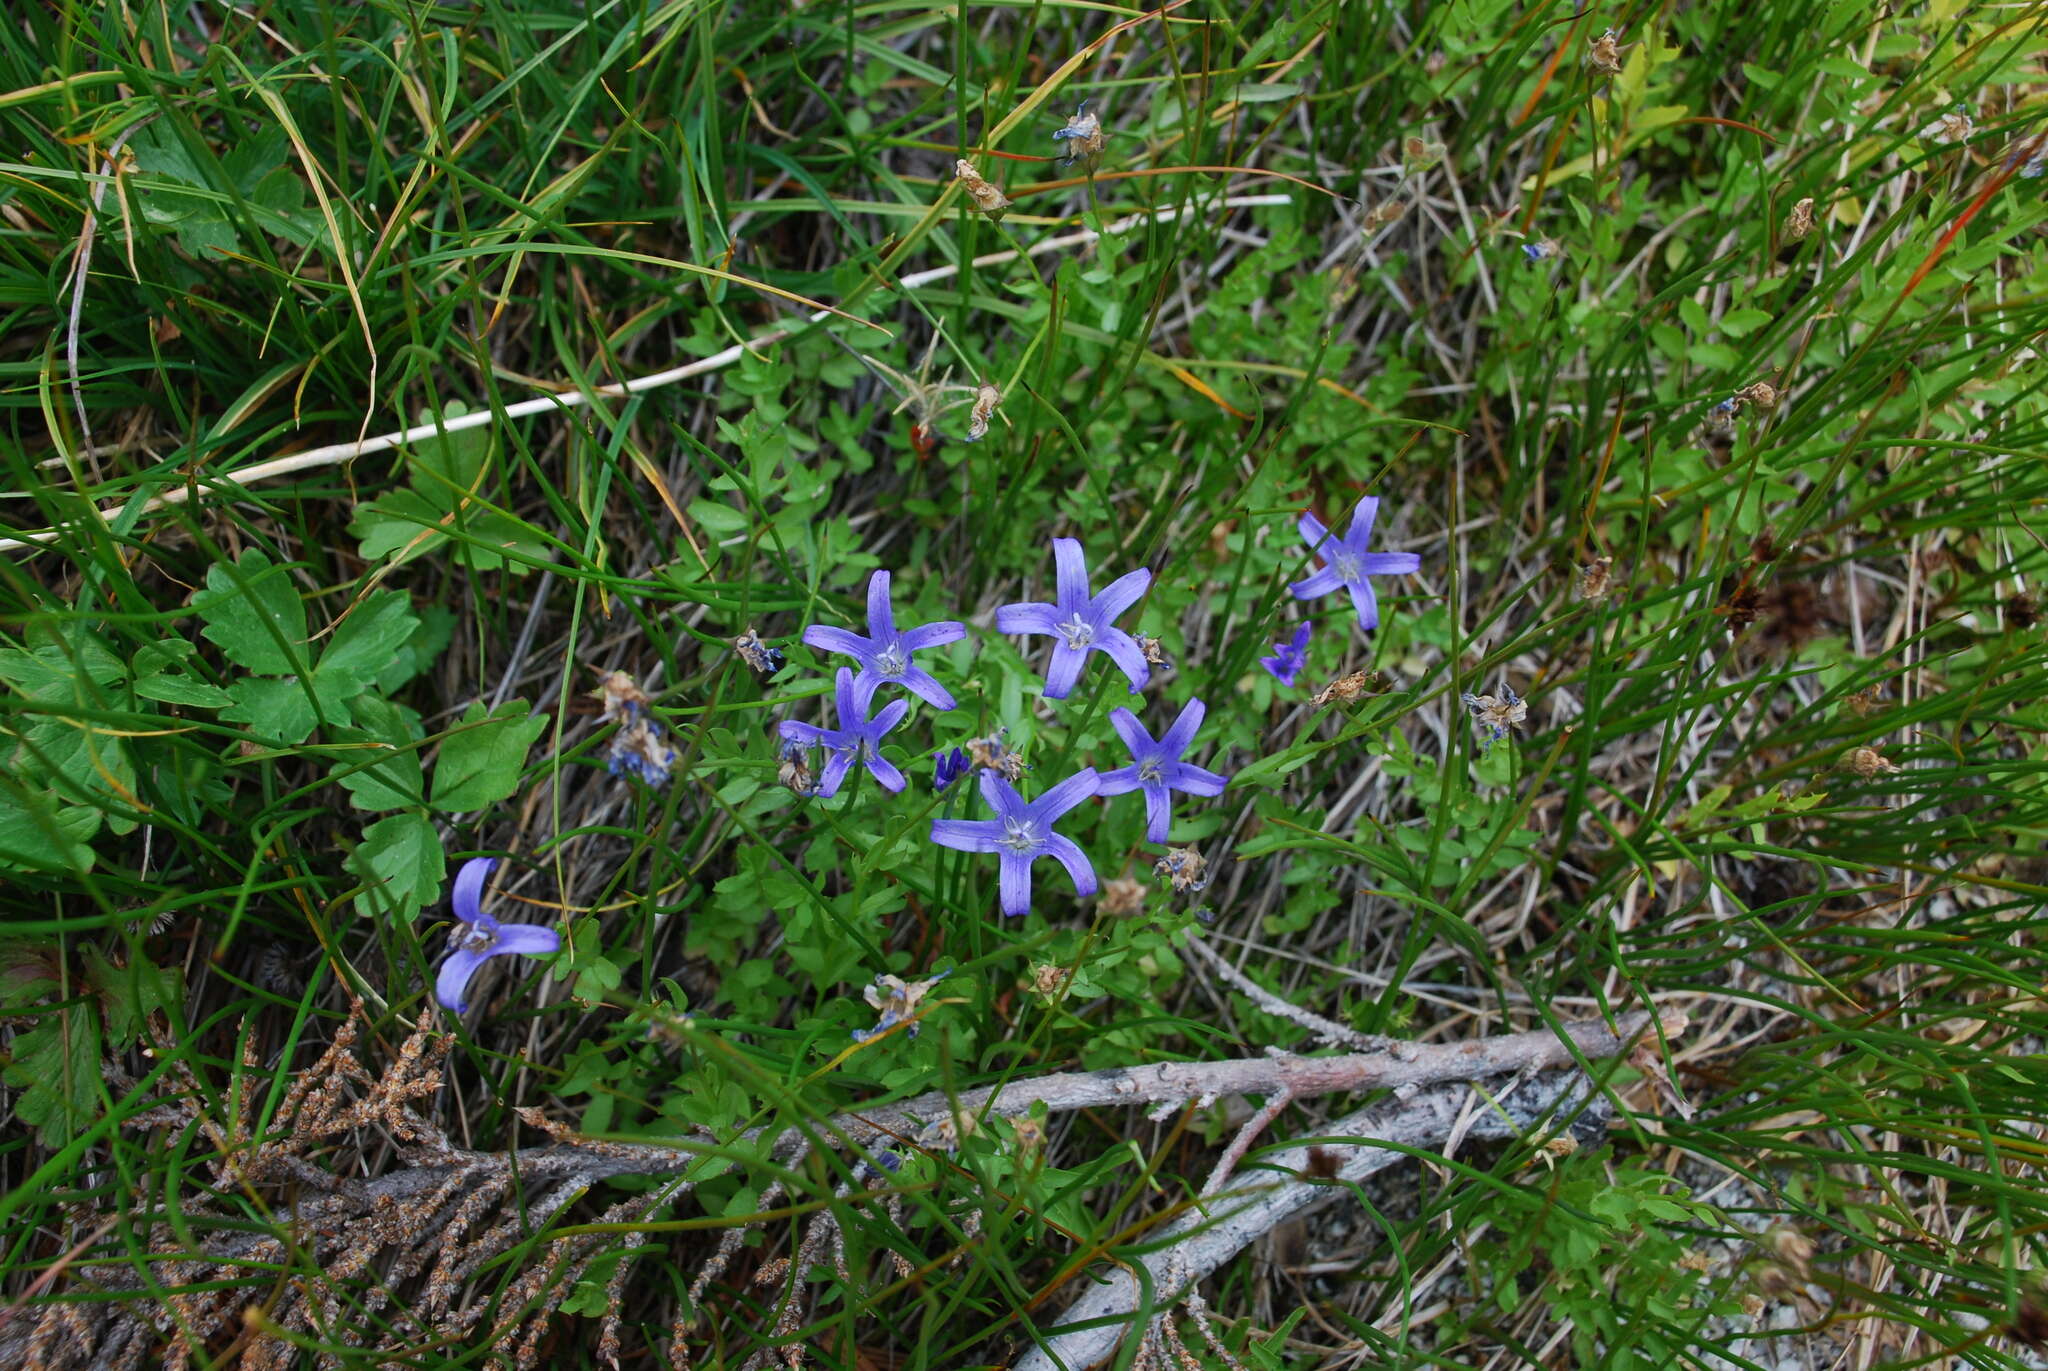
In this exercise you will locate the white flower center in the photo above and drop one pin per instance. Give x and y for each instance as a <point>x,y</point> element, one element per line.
<point>1021,835</point>
<point>1149,770</point>
<point>1347,565</point>
<point>890,661</point>
<point>474,938</point>
<point>1077,631</point>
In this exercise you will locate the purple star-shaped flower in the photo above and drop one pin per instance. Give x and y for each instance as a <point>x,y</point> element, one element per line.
<point>1157,769</point>
<point>1289,657</point>
<point>477,937</point>
<point>1021,833</point>
<point>1346,563</point>
<point>858,738</point>
<point>1081,623</point>
<point>884,655</point>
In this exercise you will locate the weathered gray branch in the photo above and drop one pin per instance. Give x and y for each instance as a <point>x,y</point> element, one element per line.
<point>1271,1194</point>
<point>1402,1065</point>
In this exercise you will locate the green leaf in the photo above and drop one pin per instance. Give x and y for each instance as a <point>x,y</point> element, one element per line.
<point>130,994</point>
<point>38,835</point>
<point>402,864</point>
<point>1740,323</point>
<point>481,759</point>
<point>82,765</point>
<point>446,473</point>
<point>56,1067</point>
<point>391,524</point>
<point>176,688</point>
<point>383,770</point>
<point>369,637</point>
<point>284,711</point>
<point>429,640</point>
<point>254,614</point>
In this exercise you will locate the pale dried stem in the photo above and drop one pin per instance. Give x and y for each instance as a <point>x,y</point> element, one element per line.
<point>335,453</point>
<point>1242,1143</point>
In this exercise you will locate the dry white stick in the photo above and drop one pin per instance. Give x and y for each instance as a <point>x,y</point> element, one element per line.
<point>1326,1030</point>
<point>1222,1226</point>
<point>1404,1065</point>
<point>570,399</point>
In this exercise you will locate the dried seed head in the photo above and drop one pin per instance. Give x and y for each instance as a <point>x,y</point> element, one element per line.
<point>1790,1246</point>
<point>1867,762</point>
<point>795,770</point>
<point>1122,896</point>
<point>1604,53</point>
<point>1029,1133</point>
<point>1323,1164</point>
<point>1345,688</point>
<point>1421,153</point>
<point>1742,606</point>
<point>986,398</point>
<point>1049,979</point>
<point>1954,127</point>
<point>987,197</point>
<point>2021,612</point>
<point>1155,652</point>
<point>621,696</point>
<point>1595,578</point>
<point>1762,394</point>
<point>1799,223</point>
<point>1497,713</point>
<point>1183,866</point>
<point>1864,702</point>
<point>993,754</point>
<point>757,654</point>
<point>1083,136</point>
<point>1384,213</point>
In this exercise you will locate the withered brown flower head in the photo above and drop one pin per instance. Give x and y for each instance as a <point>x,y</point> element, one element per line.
<point>1184,867</point>
<point>1344,688</point>
<point>1050,980</point>
<point>1867,762</point>
<point>987,197</point>
<point>1741,607</point>
<point>757,654</point>
<point>993,754</point>
<point>1604,53</point>
<point>1762,394</point>
<point>1595,578</point>
<point>1122,896</point>
<point>986,398</point>
<point>1799,223</point>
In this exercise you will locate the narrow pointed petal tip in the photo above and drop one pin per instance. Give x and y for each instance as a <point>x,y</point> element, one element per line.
<point>1362,516</point>
<point>1070,573</point>
<point>451,987</point>
<point>1028,617</point>
<point>469,889</point>
<point>530,940</point>
<point>1015,882</point>
<point>881,618</point>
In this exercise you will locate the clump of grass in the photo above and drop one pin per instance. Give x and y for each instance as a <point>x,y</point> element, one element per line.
<point>1702,387</point>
